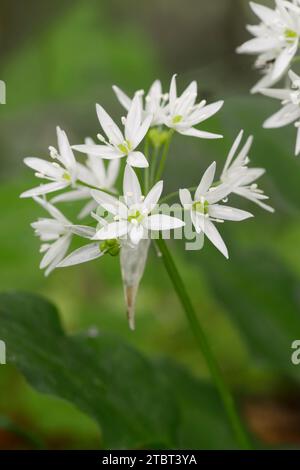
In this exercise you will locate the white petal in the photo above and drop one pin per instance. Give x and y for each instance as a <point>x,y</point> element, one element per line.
<point>142,130</point>
<point>65,150</point>
<point>228,213</point>
<point>137,159</point>
<point>110,203</point>
<point>233,150</point>
<point>201,134</point>
<point>134,117</point>
<point>219,192</point>
<point>153,197</point>
<point>131,187</point>
<point>53,211</point>
<point>173,94</point>
<point>43,167</point>
<point>257,45</point>
<point>162,222</point>
<point>278,93</point>
<point>82,230</point>
<point>122,97</point>
<point>136,233</point>
<point>112,131</point>
<point>76,195</point>
<point>57,250</point>
<point>213,234</point>
<point>185,198</point>
<point>283,61</point>
<point>264,13</point>
<point>113,230</point>
<point>285,116</point>
<point>103,151</point>
<point>82,255</point>
<point>206,181</point>
<point>87,209</point>
<point>44,189</point>
<point>205,113</point>
<point>198,221</point>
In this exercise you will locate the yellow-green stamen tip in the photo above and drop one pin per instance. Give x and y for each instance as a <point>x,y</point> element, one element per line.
<point>177,119</point>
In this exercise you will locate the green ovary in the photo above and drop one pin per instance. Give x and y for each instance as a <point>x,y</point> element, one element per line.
<point>126,147</point>
<point>112,247</point>
<point>177,119</point>
<point>290,35</point>
<point>67,177</point>
<point>135,216</point>
<point>201,207</point>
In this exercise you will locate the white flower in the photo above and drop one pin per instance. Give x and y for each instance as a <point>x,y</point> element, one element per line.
<point>54,234</point>
<point>62,172</point>
<point>182,113</point>
<point>155,102</point>
<point>290,112</point>
<point>276,40</point>
<point>119,145</point>
<point>93,173</point>
<point>204,210</point>
<point>242,179</point>
<point>132,217</point>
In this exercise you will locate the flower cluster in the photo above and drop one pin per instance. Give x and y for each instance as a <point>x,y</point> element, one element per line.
<point>276,42</point>
<point>124,223</point>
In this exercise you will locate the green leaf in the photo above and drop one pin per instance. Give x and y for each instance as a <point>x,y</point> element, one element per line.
<point>262,297</point>
<point>135,401</point>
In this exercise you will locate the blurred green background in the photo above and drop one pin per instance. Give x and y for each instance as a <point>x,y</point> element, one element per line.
<point>58,59</point>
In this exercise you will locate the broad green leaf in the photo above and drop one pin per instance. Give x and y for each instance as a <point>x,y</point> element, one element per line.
<point>136,402</point>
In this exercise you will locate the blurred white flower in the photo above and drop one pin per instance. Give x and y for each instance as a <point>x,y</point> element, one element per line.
<point>155,102</point>
<point>119,145</point>
<point>54,234</point>
<point>204,209</point>
<point>290,112</point>
<point>242,178</point>
<point>132,217</point>
<point>62,172</point>
<point>182,112</point>
<point>93,173</point>
<point>276,40</point>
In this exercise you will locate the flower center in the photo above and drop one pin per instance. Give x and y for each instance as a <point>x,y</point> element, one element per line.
<point>126,147</point>
<point>135,216</point>
<point>290,35</point>
<point>67,176</point>
<point>201,207</point>
<point>177,119</point>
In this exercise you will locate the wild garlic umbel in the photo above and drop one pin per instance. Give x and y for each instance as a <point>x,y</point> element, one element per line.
<point>121,221</point>
<point>276,44</point>
<point>124,221</point>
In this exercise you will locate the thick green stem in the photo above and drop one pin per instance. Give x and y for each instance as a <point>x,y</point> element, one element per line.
<point>163,159</point>
<point>204,346</point>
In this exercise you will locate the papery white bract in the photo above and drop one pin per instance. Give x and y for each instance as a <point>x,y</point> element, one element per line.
<point>183,113</point>
<point>204,209</point>
<point>240,177</point>
<point>133,260</point>
<point>133,216</point>
<point>290,112</point>
<point>121,144</point>
<point>155,102</point>
<point>62,172</point>
<point>276,40</point>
